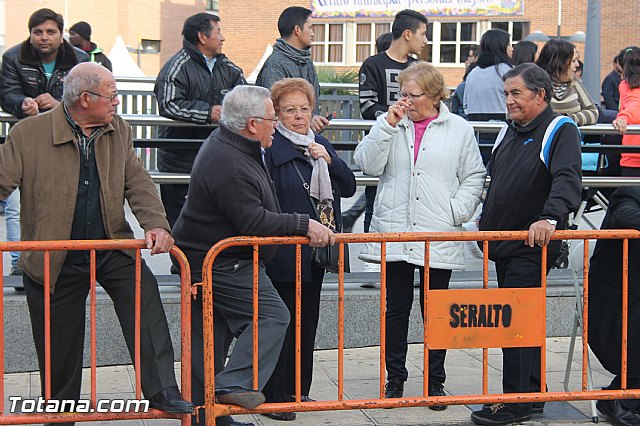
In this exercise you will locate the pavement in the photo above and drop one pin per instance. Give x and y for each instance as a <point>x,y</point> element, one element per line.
<point>361,369</point>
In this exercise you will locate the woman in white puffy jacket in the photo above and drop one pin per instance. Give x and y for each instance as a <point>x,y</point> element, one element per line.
<point>431,179</point>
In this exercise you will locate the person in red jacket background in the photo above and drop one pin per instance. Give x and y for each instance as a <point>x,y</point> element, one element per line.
<point>629,109</point>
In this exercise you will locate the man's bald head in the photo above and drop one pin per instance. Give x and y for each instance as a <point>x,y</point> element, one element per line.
<point>84,77</point>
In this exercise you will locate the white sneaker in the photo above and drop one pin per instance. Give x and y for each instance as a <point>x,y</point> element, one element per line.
<point>371,267</point>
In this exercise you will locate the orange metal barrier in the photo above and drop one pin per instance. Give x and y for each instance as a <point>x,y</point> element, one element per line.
<point>92,246</point>
<point>527,323</point>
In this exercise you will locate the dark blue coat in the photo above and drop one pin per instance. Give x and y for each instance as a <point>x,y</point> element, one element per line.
<point>293,197</point>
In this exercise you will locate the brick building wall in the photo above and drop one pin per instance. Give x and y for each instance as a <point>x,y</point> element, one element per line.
<point>246,41</point>
<point>249,27</point>
<point>144,19</point>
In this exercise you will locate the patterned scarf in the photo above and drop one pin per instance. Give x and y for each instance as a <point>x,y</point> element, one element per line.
<point>320,184</point>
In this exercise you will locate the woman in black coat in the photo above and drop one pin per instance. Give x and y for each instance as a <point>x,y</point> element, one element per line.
<point>329,179</point>
<point>605,303</point>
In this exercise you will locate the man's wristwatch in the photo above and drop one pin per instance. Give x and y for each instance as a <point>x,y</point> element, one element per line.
<point>552,222</point>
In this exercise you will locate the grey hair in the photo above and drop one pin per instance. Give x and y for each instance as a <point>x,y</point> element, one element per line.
<point>75,83</point>
<point>535,78</point>
<point>242,103</point>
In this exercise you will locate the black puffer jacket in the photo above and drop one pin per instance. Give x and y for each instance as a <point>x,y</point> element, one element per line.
<point>186,90</point>
<point>23,75</point>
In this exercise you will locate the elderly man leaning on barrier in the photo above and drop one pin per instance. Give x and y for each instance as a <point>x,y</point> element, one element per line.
<point>75,166</point>
<point>605,312</point>
<point>231,194</point>
<point>535,184</point>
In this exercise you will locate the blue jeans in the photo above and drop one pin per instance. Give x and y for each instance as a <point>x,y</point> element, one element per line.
<point>12,216</point>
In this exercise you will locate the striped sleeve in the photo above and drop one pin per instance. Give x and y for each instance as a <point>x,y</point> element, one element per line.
<point>171,92</point>
<point>577,105</point>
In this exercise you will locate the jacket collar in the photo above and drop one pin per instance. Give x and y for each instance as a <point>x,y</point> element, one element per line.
<point>94,49</point>
<point>196,54</point>
<point>533,124</point>
<point>62,131</point>
<point>65,59</point>
<point>297,55</point>
<point>245,145</point>
<point>283,151</point>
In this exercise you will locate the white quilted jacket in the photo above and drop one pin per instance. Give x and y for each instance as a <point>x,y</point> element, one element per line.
<point>439,193</point>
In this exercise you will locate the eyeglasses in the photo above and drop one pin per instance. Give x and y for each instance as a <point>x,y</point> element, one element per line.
<point>410,96</point>
<point>273,120</point>
<point>295,110</point>
<point>111,98</point>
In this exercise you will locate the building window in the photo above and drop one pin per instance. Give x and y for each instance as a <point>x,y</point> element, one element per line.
<point>366,35</point>
<point>449,42</point>
<point>213,5</point>
<point>328,47</point>
<point>518,30</point>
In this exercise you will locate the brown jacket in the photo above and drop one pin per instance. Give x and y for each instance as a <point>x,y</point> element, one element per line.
<point>42,158</point>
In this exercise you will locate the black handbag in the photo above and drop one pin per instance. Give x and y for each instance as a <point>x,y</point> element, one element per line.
<point>324,257</point>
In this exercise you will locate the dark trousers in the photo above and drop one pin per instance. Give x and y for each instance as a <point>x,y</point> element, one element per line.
<point>233,302</point>
<point>222,340</point>
<point>370,194</point>
<point>173,197</point>
<point>115,272</point>
<point>632,383</point>
<point>282,385</point>
<point>363,204</point>
<point>399,302</point>
<point>521,366</point>
<point>630,171</point>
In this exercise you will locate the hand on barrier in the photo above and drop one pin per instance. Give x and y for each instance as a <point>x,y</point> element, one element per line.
<point>540,233</point>
<point>620,124</point>
<point>319,234</point>
<point>158,240</point>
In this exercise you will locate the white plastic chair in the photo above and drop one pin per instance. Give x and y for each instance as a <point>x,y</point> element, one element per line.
<point>576,263</point>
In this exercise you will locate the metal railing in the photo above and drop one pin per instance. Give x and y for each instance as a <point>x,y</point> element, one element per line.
<point>92,246</point>
<point>525,330</point>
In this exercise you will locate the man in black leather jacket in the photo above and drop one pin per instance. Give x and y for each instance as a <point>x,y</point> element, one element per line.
<point>34,70</point>
<point>190,87</point>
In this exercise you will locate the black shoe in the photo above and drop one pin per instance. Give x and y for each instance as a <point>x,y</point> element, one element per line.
<point>303,398</point>
<point>617,414</point>
<point>537,408</point>
<point>394,388</point>
<point>236,395</point>
<point>437,389</point>
<point>287,416</point>
<point>170,400</point>
<point>229,421</point>
<point>498,414</point>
